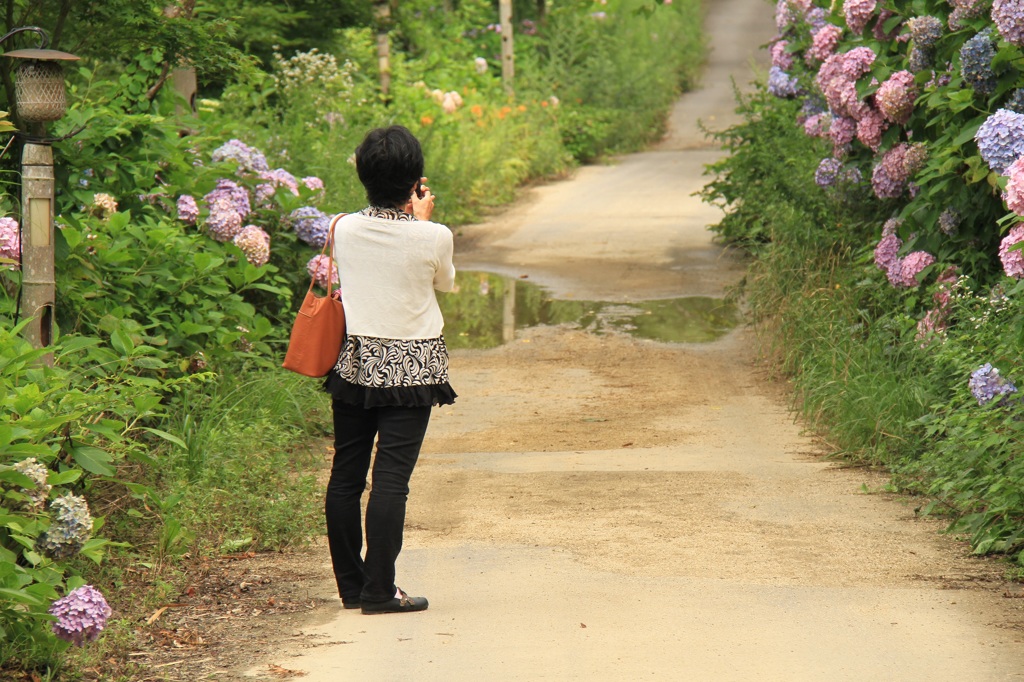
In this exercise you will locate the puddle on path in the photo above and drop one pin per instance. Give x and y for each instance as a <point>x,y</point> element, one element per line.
<point>485,310</point>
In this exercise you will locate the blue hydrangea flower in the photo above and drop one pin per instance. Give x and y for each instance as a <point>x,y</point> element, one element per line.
<point>81,615</point>
<point>781,84</point>
<point>976,57</point>
<point>1016,101</point>
<point>311,224</point>
<point>70,527</point>
<point>925,31</point>
<point>921,59</point>
<point>949,221</point>
<point>1001,139</point>
<point>986,383</point>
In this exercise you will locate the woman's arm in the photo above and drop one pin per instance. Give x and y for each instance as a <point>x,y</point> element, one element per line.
<point>444,278</point>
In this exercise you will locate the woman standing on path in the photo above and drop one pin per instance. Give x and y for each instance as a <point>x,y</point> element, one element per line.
<point>393,366</point>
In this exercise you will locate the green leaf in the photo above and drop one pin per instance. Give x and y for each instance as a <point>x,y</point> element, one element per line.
<point>21,597</point>
<point>122,342</point>
<point>64,477</point>
<point>170,438</point>
<point>93,460</point>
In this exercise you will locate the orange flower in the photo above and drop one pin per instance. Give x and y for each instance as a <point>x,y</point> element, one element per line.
<point>521,107</point>
<point>504,111</point>
<point>477,110</point>
<point>544,103</point>
<point>426,120</point>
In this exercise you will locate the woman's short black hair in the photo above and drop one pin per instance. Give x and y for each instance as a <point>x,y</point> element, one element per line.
<point>389,162</point>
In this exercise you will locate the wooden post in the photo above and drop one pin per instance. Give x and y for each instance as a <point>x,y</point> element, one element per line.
<point>508,62</point>
<point>185,84</point>
<point>37,284</point>
<point>383,12</point>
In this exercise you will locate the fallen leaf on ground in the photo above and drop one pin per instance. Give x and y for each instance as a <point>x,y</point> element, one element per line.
<point>278,671</point>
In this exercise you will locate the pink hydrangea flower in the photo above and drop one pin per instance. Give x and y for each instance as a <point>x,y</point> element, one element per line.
<point>912,266</point>
<point>826,39</point>
<point>887,251</point>
<point>870,128</point>
<point>1015,187</point>
<point>188,211</point>
<point>1012,260</point>
<point>781,58</point>
<point>895,97</point>
<point>319,267</point>
<point>817,125</point>
<point>858,13</point>
<point>10,242</point>
<point>255,244</point>
<point>842,132</point>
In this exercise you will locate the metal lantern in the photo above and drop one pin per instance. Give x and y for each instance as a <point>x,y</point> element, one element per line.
<point>39,84</point>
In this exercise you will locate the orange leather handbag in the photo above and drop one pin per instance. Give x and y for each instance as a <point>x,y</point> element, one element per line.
<point>319,328</point>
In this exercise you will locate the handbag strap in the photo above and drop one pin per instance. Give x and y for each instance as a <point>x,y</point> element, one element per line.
<point>328,250</point>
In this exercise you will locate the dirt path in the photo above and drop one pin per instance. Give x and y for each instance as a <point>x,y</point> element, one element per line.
<point>598,507</point>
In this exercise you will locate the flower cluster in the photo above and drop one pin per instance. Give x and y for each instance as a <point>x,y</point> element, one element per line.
<point>911,267</point>
<point>781,84</point>
<point>188,210</point>
<point>81,615</point>
<point>10,242</point>
<point>986,383</point>
<point>824,43</point>
<point>228,205</point>
<point>817,125</point>
<point>1012,259</point>
<point>254,243</point>
<point>311,224</point>
<point>837,79</point>
<point>962,10</point>
<point>828,172</point>
<point>32,468</point>
<point>1008,16</point>
<point>949,221</point>
<point>248,158</point>
<point>104,204</point>
<point>870,128</point>
<point>70,527</point>
<point>319,267</point>
<point>895,97</point>
<point>858,13</point>
<point>1014,195</point>
<point>789,12</point>
<point>936,320</point>
<point>976,57</point>
<point>315,76</point>
<point>925,31</point>
<point>781,58</point>
<point>1001,139</point>
<point>480,64</point>
<point>891,174</point>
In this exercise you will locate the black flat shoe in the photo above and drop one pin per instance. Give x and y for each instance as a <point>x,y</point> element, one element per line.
<point>403,604</point>
<point>351,604</point>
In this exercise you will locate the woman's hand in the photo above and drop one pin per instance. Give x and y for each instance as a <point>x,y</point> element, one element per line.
<point>422,201</point>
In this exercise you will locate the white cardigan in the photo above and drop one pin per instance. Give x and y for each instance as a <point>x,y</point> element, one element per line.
<point>388,271</point>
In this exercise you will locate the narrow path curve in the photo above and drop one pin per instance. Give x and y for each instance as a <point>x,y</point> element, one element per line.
<point>597,507</point>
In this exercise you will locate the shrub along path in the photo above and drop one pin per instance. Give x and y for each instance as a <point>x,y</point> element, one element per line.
<point>599,507</point>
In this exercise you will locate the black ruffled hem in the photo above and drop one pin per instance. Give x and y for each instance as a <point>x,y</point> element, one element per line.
<point>426,395</point>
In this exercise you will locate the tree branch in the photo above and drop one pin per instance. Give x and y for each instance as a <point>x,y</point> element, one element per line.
<point>58,29</point>
<point>164,75</point>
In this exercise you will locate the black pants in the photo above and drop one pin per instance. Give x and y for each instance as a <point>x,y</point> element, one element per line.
<point>399,432</point>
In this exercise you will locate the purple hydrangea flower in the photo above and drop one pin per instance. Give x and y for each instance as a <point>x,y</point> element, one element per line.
<point>816,18</point>
<point>1008,16</point>
<point>890,175</point>
<point>1001,139</point>
<point>858,13</point>
<point>70,527</point>
<point>976,57</point>
<point>828,172</point>
<point>10,242</point>
<point>986,383</point>
<point>319,267</point>
<point>895,97</point>
<point>1014,195</point>
<point>32,468</point>
<point>188,210</point>
<point>789,12</point>
<point>781,84</point>
<point>279,177</point>
<point>311,224</point>
<point>228,206</point>
<point>817,125</point>
<point>1016,101</point>
<point>921,59</point>
<point>313,183</point>
<point>249,159</point>
<point>1012,259</point>
<point>949,221</point>
<point>925,31</point>
<point>887,251</point>
<point>81,615</point>
<point>255,244</point>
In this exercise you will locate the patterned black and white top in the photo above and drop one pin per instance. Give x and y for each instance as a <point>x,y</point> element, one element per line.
<point>394,353</point>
